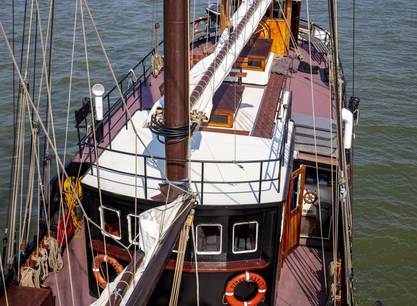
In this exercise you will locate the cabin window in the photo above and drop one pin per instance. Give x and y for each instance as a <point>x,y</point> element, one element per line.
<point>110,222</point>
<point>209,239</point>
<point>133,228</point>
<point>245,237</point>
<point>254,63</point>
<point>222,120</point>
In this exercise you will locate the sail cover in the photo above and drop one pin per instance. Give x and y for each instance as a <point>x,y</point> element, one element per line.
<point>208,74</point>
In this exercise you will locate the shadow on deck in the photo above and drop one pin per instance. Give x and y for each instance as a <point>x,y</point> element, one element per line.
<point>302,279</point>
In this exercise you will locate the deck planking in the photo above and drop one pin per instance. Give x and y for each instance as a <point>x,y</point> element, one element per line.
<point>302,278</point>
<point>266,115</point>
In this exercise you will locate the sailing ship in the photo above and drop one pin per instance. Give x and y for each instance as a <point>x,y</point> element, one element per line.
<point>218,172</point>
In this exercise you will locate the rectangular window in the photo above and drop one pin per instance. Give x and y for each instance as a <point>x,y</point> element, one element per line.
<point>209,239</point>
<point>255,63</point>
<point>110,222</point>
<point>133,228</point>
<point>245,237</point>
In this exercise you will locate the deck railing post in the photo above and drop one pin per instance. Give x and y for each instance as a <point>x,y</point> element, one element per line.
<point>89,153</point>
<point>145,185</point>
<point>260,181</point>
<point>279,171</point>
<point>79,141</point>
<point>202,184</point>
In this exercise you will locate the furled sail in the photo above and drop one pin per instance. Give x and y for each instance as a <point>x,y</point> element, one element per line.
<point>207,75</point>
<point>158,229</point>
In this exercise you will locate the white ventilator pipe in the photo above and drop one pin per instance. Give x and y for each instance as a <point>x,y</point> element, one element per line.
<point>98,91</point>
<point>347,118</point>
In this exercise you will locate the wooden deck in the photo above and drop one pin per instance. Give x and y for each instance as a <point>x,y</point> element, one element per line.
<point>266,115</point>
<point>302,279</point>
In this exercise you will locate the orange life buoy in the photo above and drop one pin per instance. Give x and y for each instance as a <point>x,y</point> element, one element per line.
<point>242,278</point>
<point>100,258</point>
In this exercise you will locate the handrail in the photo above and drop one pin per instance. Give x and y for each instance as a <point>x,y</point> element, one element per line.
<point>116,104</point>
<point>127,90</point>
<point>263,176</point>
<point>186,160</point>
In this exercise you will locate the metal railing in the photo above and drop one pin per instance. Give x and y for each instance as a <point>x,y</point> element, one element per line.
<point>128,84</point>
<point>113,103</point>
<point>202,165</point>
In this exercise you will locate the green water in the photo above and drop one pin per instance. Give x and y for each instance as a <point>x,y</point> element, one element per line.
<point>385,217</point>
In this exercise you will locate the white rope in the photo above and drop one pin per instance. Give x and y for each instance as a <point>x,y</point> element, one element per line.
<point>197,279</point>
<point>128,113</point>
<point>29,39</point>
<point>54,258</point>
<point>48,139</point>
<point>30,277</point>
<point>335,201</point>
<point>94,136</point>
<point>182,245</point>
<point>315,145</point>
<point>51,126</point>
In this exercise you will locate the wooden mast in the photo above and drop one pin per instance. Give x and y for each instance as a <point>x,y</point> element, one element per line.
<point>176,86</point>
<point>224,14</point>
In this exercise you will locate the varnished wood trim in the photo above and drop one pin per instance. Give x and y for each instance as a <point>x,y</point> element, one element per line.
<point>238,74</point>
<point>224,131</point>
<point>320,158</point>
<point>228,115</point>
<point>112,250</point>
<point>228,266</point>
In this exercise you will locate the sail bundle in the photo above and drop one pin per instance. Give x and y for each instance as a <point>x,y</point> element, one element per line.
<point>205,81</point>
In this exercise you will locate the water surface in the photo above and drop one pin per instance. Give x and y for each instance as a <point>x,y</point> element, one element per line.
<point>385,217</point>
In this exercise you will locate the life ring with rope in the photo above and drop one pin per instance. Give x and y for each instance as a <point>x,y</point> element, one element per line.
<point>245,278</point>
<point>97,261</point>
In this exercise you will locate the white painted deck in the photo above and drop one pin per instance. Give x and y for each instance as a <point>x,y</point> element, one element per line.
<point>118,175</point>
<point>249,107</point>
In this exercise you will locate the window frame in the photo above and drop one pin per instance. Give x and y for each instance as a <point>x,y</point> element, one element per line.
<point>102,222</point>
<point>129,228</point>
<point>221,239</point>
<point>256,238</point>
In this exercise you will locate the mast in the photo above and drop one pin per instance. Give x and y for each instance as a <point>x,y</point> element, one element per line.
<point>225,14</point>
<point>176,109</point>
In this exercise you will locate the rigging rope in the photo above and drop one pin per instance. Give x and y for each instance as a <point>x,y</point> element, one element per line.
<point>182,245</point>
<point>128,113</point>
<point>353,44</point>
<point>94,132</point>
<point>315,144</point>
<point>197,279</point>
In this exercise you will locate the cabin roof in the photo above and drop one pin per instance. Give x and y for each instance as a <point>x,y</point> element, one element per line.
<point>228,97</point>
<point>258,48</point>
